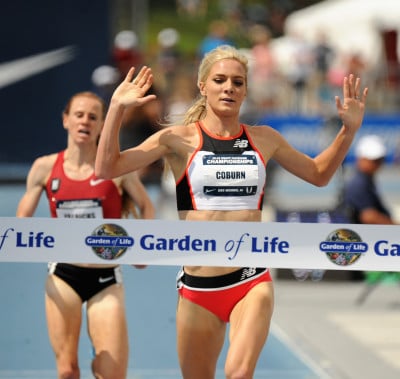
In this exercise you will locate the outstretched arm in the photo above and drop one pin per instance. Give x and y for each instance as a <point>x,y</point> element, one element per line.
<point>319,170</point>
<point>131,92</point>
<point>351,112</point>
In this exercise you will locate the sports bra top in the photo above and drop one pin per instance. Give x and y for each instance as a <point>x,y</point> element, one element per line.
<point>88,198</point>
<point>222,174</point>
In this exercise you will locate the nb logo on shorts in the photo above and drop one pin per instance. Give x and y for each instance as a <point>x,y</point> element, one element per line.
<point>248,272</point>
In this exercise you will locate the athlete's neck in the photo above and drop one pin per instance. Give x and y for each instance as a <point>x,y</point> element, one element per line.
<point>221,130</point>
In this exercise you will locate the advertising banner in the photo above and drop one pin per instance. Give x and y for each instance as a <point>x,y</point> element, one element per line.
<point>160,242</point>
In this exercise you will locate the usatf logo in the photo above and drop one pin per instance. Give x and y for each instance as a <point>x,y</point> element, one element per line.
<point>109,241</point>
<point>343,247</point>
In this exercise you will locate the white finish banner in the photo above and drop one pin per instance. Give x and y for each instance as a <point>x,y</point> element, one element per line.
<point>164,242</point>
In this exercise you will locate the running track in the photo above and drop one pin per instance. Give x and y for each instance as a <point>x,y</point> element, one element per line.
<point>151,299</point>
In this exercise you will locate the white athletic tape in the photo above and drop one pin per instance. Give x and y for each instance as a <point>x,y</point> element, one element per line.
<point>161,242</point>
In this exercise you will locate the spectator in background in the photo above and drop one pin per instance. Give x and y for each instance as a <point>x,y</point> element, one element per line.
<point>301,68</point>
<point>126,52</point>
<point>168,58</point>
<point>356,64</point>
<point>342,65</point>
<point>218,34</point>
<point>263,86</point>
<point>362,202</point>
<point>229,8</point>
<point>105,79</point>
<point>324,56</point>
<point>192,8</point>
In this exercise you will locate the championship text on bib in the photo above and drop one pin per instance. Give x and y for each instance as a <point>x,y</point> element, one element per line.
<point>237,244</point>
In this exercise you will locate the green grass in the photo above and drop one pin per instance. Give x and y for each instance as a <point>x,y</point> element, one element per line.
<point>191,29</point>
<point>162,14</point>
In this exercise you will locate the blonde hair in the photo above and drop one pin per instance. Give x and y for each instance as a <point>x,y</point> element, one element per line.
<point>198,109</point>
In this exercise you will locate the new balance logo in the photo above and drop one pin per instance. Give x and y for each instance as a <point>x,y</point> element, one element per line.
<point>248,272</point>
<point>241,143</point>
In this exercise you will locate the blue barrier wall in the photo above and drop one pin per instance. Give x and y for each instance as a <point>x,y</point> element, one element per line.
<point>312,134</point>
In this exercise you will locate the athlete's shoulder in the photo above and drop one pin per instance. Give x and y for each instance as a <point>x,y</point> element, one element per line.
<point>45,162</point>
<point>171,133</point>
<point>184,129</point>
<point>260,130</point>
<point>41,169</point>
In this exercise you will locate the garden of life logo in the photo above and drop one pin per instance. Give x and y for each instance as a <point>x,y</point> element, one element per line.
<point>343,247</point>
<point>109,241</point>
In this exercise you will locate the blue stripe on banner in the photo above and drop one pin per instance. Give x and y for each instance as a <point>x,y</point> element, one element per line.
<point>167,242</point>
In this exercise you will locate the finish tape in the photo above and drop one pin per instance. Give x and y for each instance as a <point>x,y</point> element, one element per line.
<point>201,243</point>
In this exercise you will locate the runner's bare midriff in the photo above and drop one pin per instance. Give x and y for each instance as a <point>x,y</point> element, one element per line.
<point>205,215</point>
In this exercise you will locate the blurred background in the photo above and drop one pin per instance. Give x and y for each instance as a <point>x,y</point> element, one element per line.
<point>298,50</point>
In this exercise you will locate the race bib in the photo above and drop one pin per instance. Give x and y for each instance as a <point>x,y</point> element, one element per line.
<point>88,208</point>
